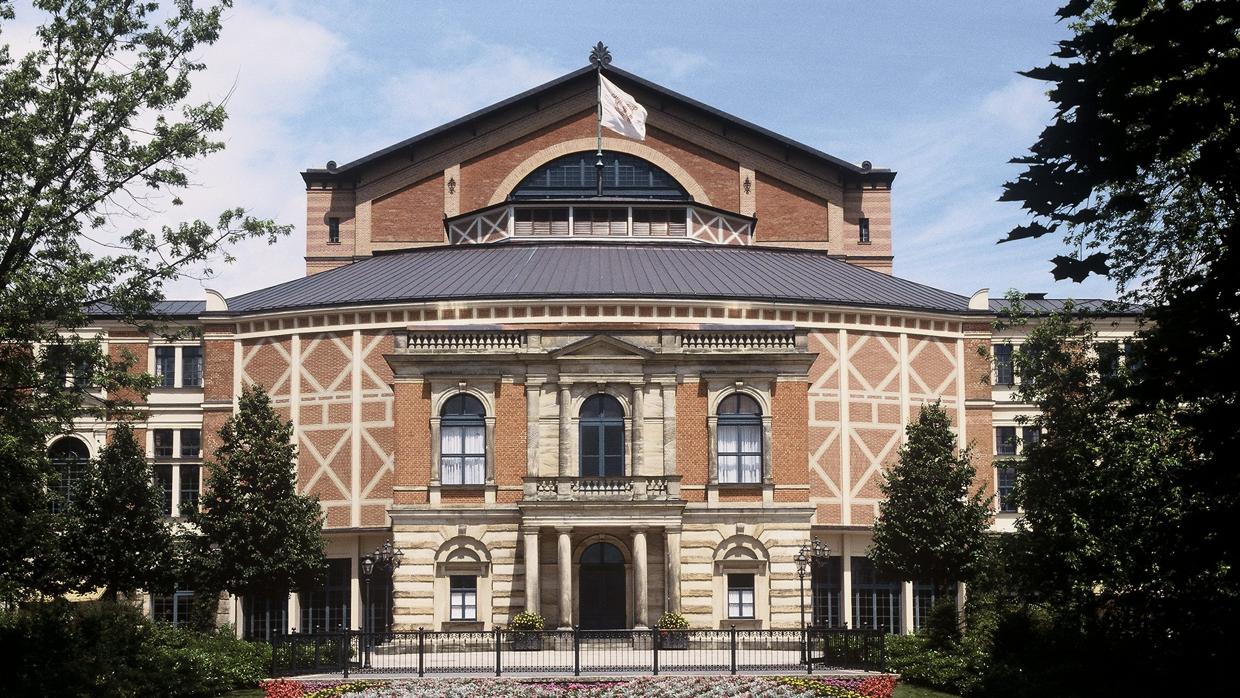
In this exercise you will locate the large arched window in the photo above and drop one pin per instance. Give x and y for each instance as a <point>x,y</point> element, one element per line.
<point>576,176</point>
<point>740,439</point>
<point>462,441</point>
<point>602,437</point>
<point>69,457</point>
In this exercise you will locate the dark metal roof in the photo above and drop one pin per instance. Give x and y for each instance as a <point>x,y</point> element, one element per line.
<point>735,121</point>
<point>158,309</point>
<point>600,269</point>
<point>1088,306</point>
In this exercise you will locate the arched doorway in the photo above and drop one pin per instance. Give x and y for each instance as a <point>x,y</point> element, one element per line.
<point>601,584</point>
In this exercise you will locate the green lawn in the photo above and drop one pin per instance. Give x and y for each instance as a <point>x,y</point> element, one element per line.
<point>907,691</point>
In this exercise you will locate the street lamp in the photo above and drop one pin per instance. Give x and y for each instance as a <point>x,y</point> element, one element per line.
<point>385,558</point>
<point>813,553</point>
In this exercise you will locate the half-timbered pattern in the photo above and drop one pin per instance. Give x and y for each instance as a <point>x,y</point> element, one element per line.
<point>600,402</point>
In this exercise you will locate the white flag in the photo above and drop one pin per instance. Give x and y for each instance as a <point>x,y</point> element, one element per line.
<point>621,113</point>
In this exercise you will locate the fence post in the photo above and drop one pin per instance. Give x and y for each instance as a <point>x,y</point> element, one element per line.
<point>421,650</point>
<point>732,648</point>
<point>654,645</point>
<point>346,646</point>
<point>576,650</point>
<point>495,635</point>
<point>275,651</point>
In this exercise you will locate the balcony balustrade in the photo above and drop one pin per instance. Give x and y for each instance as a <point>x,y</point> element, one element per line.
<point>639,488</point>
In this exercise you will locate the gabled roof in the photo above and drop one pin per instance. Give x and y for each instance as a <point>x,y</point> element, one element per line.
<point>533,94</point>
<point>590,269</point>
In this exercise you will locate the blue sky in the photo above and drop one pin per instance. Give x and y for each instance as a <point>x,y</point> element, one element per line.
<point>928,89</point>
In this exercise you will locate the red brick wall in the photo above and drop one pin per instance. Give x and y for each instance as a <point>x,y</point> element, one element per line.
<point>135,352</point>
<point>413,214</point>
<point>322,204</point>
<point>692,447</point>
<point>413,438</point>
<point>789,433</point>
<point>786,213</point>
<point>511,435</point>
<point>874,204</point>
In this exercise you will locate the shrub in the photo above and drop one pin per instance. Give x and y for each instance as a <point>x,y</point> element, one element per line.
<point>109,649</point>
<point>672,621</point>
<point>527,620</point>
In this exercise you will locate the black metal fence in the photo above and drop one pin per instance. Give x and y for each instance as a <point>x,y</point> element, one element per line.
<point>577,652</point>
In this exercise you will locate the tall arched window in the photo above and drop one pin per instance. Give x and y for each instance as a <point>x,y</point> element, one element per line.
<point>740,439</point>
<point>462,441</point>
<point>69,457</point>
<point>602,437</point>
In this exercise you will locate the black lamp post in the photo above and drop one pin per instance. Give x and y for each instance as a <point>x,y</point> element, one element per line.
<point>811,554</point>
<point>386,558</point>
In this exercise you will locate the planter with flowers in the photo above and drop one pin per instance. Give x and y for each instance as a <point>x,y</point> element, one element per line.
<point>673,631</point>
<point>525,629</point>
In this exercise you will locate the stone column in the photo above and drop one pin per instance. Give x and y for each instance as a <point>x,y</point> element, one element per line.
<point>533,398</point>
<point>669,428</point>
<point>906,607</point>
<point>566,431</point>
<point>639,424</point>
<point>673,570</point>
<point>565,550</point>
<point>641,580</point>
<point>846,585</point>
<point>532,591</point>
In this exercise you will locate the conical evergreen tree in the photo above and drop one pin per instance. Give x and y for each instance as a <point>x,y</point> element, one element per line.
<point>932,523</point>
<point>117,536</point>
<point>256,535</point>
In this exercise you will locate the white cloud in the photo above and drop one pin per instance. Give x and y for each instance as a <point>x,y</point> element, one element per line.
<point>675,63</point>
<point>1020,105</point>
<point>467,75</point>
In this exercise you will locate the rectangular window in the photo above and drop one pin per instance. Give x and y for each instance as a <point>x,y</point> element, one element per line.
<point>174,608</point>
<point>1108,359</point>
<point>464,597</point>
<point>924,599</point>
<point>191,367</point>
<point>326,609</point>
<point>739,451</point>
<point>876,599</point>
<point>1030,436</point>
<point>1005,441</point>
<point>825,583</point>
<point>163,479</point>
<point>740,596</point>
<point>1007,481</point>
<point>163,443</point>
<point>265,615</point>
<point>1004,375</point>
<point>462,455</point>
<point>333,231</point>
<point>190,483</point>
<point>191,443</point>
<point>540,221</point>
<point>863,231</point>
<point>166,367</point>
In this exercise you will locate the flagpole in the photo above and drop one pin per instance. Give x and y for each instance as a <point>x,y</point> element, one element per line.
<point>598,56</point>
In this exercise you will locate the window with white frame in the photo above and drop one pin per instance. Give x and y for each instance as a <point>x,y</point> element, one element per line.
<point>178,366</point>
<point>741,595</point>
<point>174,608</point>
<point>739,440</point>
<point>70,457</point>
<point>166,367</point>
<point>1005,445</point>
<point>462,441</point>
<point>463,597</point>
<point>178,478</point>
<point>1004,373</point>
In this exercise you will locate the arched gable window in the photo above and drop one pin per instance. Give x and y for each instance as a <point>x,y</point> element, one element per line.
<point>69,457</point>
<point>602,437</point>
<point>575,176</point>
<point>740,439</point>
<point>462,441</point>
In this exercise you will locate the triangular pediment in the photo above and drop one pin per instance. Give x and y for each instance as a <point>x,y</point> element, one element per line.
<point>601,346</point>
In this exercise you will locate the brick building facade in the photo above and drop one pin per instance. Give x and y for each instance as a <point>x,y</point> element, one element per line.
<point>600,408</point>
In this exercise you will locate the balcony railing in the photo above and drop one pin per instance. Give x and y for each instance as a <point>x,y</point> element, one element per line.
<point>650,220</point>
<point>638,488</point>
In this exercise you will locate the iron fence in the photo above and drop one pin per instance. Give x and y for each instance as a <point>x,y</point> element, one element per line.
<point>577,652</point>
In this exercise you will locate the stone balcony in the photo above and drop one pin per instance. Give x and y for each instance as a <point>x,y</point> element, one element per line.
<point>639,488</point>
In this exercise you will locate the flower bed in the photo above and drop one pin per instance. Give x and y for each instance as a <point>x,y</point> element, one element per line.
<point>660,687</point>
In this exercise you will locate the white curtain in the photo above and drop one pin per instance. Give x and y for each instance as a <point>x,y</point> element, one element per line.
<point>740,453</point>
<point>462,455</point>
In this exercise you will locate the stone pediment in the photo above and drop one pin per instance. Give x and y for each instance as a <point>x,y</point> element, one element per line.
<point>601,346</point>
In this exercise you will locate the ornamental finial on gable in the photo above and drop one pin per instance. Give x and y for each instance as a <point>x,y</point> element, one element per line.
<point>599,55</point>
